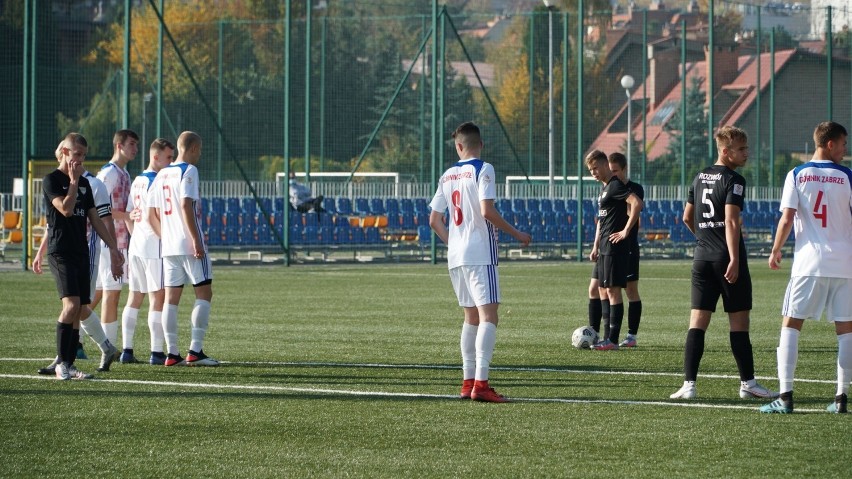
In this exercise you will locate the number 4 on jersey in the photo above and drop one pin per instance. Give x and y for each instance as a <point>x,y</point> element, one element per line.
<point>821,210</point>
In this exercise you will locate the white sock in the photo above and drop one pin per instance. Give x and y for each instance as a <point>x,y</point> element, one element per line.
<point>155,326</point>
<point>486,336</point>
<point>844,362</point>
<point>92,327</point>
<point>111,330</point>
<point>788,355</point>
<point>200,318</point>
<point>468,350</point>
<point>170,328</point>
<point>128,326</point>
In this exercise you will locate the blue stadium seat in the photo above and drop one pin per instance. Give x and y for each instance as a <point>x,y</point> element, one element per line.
<point>357,236</point>
<point>421,205</point>
<point>248,205</point>
<point>521,220</point>
<point>344,206</point>
<point>535,218</point>
<point>233,204</point>
<point>372,236</point>
<point>326,235</point>
<point>533,204</point>
<point>559,206</point>
<point>310,219</point>
<point>377,206</point>
<point>407,222</point>
<point>546,205</point>
<point>406,205</point>
<point>231,235</point>
<point>551,234</point>
<point>548,218</point>
<point>311,235</point>
<point>326,219</point>
<point>392,206</point>
<point>424,236</point>
<point>328,204</point>
<point>537,233</point>
<point>297,235</point>
<point>214,235</point>
<point>519,205</point>
<point>279,204</point>
<point>504,206</point>
<point>362,206</point>
<point>342,234</point>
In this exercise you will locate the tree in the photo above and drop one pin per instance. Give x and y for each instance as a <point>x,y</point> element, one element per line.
<point>668,169</point>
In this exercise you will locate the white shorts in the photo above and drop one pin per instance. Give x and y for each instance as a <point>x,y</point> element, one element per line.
<point>476,285</point>
<point>180,270</point>
<point>94,267</point>
<point>105,281</point>
<point>808,296</point>
<point>145,274</point>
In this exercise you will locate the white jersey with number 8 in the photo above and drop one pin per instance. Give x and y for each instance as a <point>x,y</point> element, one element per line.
<point>821,193</point>
<point>472,239</point>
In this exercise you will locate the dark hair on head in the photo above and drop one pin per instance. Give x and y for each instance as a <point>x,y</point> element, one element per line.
<point>619,159</point>
<point>161,144</point>
<point>122,135</point>
<point>468,134</point>
<point>595,156</point>
<point>828,131</point>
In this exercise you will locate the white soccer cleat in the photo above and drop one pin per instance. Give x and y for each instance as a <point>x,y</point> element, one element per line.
<point>687,391</point>
<point>756,391</point>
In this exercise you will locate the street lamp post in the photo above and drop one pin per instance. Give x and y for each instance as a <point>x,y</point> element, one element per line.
<point>146,98</point>
<point>551,5</point>
<point>627,84</point>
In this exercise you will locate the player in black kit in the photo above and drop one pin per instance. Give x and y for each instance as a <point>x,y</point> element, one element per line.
<point>719,266</point>
<point>618,213</point>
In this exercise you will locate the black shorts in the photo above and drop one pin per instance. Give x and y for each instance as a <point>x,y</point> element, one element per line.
<point>708,283</point>
<point>613,270</point>
<point>633,265</point>
<point>72,276</point>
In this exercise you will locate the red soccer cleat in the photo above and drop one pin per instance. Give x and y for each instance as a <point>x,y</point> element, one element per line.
<point>483,392</point>
<point>467,387</point>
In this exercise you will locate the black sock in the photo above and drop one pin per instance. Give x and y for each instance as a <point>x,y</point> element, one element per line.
<point>693,351</point>
<point>65,344</point>
<point>595,314</point>
<point>741,347</point>
<point>616,316</point>
<point>605,317</point>
<point>787,397</point>
<point>634,314</point>
<point>75,342</point>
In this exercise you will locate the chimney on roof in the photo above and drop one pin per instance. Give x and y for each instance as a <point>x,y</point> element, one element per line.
<point>664,71</point>
<point>725,63</point>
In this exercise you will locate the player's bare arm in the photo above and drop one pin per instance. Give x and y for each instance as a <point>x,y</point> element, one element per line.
<point>187,210</point>
<point>38,258</point>
<point>732,239</point>
<point>785,225</point>
<point>489,211</point>
<point>688,218</point>
<point>593,255</point>
<point>154,220</point>
<point>436,222</point>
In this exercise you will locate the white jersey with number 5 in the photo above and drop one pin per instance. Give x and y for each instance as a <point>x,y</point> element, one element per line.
<point>472,239</point>
<point>821,193</point>
<point>174,183</point>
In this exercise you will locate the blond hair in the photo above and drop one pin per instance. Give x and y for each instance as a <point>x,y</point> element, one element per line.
<point>71,140</point>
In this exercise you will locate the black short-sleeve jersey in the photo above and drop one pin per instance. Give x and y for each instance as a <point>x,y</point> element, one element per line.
<point>639,191</point>
<point>612,215</point>
<point>712,189</point>
<point>67,235</point>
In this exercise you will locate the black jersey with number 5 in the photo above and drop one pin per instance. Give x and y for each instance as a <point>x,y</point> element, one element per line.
<point>711,190</point>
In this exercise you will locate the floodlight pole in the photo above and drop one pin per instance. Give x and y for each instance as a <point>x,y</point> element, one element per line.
<point>627,83</point>
<point>550,4</point>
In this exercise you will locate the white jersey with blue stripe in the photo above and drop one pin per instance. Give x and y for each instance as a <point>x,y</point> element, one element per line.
<point>821,193</point>
<point>144,243</point>
<point>172,184</point>
<point>461,189</point>
<point>102,204</point>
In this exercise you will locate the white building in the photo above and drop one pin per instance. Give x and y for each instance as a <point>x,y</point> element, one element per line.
<point>841,16</point>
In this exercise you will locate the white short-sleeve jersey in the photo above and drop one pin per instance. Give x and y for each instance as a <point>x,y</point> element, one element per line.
<point>102,203</point>
<point>821,193</point>
<point>117,182</point>
<point>144,243</point>
<point>172,184</point>
<point>472,239</point>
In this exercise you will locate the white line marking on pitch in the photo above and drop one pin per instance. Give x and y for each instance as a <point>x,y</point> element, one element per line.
<point>493,368</point>
<point>346,392</point>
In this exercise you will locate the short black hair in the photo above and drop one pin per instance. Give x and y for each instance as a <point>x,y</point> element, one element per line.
<point>468,134</point>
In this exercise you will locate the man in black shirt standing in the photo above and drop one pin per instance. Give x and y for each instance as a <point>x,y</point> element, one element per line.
<point>611,248</point>
<point>69,203</point>
<point>719,266</point>
<point>618,166</point>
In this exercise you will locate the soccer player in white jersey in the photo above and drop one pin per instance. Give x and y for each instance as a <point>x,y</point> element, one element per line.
<point>145,272</point>
<point>174,206</point>
<point>117,180</point>
<point>91,324</point>
<point>468,190</point>
<point>817,204</point>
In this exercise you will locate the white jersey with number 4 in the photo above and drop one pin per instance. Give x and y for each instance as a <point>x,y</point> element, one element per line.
<point>472,239</point>
<point>144,243</point>
<point>821,193</point>
<point>174,183</point>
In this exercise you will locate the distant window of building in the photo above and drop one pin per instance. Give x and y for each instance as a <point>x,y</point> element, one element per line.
<point>663,113</point>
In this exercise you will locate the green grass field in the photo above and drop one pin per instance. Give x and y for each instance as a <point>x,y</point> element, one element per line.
<point>352,370</point>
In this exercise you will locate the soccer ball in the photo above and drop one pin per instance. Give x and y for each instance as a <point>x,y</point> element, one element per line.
<point>584,337</point>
